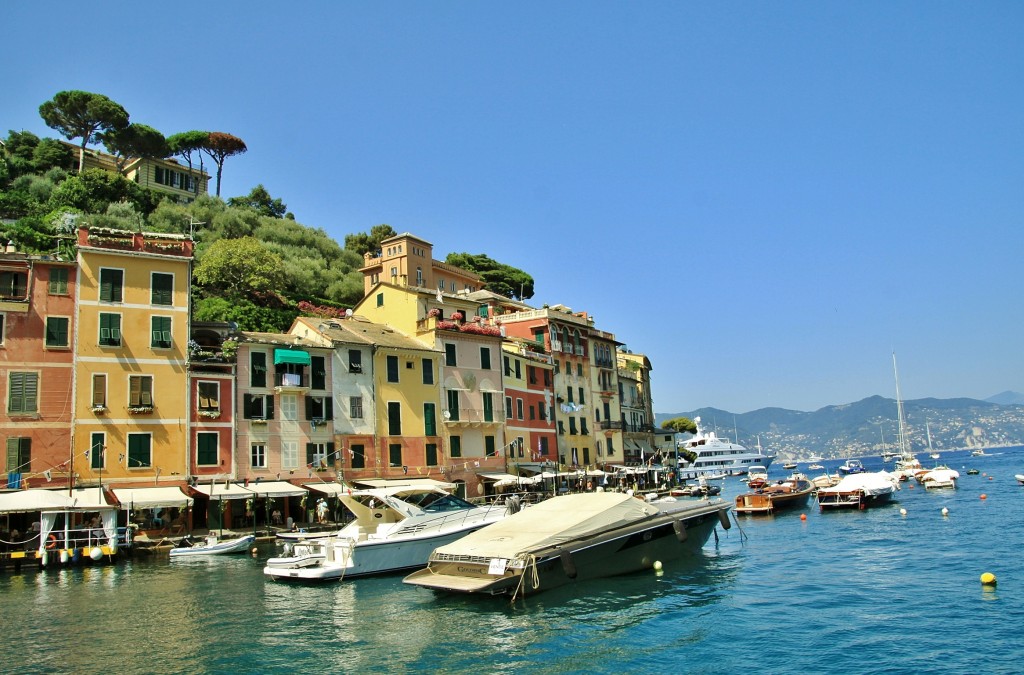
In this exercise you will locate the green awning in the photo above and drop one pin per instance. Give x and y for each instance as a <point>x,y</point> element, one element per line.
<point>291,356</point>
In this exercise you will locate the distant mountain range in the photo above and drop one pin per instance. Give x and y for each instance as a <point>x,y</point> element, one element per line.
<point>858,429</point>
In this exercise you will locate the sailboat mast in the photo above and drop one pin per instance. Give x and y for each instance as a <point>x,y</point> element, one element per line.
<point>899,408</point>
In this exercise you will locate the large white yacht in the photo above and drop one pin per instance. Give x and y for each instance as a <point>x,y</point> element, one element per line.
<point>718,456</point>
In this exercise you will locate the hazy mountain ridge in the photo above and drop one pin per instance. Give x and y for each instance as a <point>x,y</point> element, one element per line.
<point>853,429</point>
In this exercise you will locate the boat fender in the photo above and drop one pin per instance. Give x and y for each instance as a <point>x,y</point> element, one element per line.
<point>96,553</point>
<point>568,566</point>
<point>680,529</point>
<point>723,518</point>
<point>64,557</point>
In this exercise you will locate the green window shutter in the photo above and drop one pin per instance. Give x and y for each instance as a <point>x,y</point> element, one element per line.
<point>394,418</point>
<point>455,446</point>
<point>162,292</point>
<point>429,420</point>
<point>310,452</point>
<point>431,454</point>
<point>258,369</point>
<point>489,446</point>
<point>13,456</point>
<point>395,454</point>
<point>206,449</point>
<point>488,407</point>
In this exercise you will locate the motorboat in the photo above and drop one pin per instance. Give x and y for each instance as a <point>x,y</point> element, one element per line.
<point>212,545</point>
<point>395,529</point>
<point>942,477</point>
<point>702,489</point>
<point>791,492</point>
<point>571,538</point>
<point>851,466</point>
<point>826,480</point>
<point>816,467</point>
<point>718,456</point>
<point>789,466</point>
<point>859,491</point>
<point>1020,478</point>
<point>757,477</point>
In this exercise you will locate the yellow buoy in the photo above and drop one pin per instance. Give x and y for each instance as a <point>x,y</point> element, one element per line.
<point>988,579</point>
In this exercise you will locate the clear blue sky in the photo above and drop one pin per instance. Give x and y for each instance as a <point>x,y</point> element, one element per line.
<point>767,198</point>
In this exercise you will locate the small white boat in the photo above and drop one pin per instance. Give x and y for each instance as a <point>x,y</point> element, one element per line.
<point>1020,478</point>
<point>211,545</point>
<point>851,466</point>
<point>859,491</point>
<point>395,529</point>
<point>939,478</point>
<point>816,467</point>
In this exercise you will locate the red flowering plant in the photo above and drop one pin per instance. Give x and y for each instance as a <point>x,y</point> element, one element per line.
<point>457,316</point>
<point>435,312</point>
<point>322,311</point>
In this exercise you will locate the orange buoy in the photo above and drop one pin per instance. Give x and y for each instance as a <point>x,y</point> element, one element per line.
<point>984,496</point>
<point>803,516</point>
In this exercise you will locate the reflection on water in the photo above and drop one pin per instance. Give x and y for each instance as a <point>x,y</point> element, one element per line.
<point>834,592</point>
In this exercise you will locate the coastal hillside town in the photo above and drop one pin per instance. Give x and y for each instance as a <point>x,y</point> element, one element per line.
<point>111,384</point>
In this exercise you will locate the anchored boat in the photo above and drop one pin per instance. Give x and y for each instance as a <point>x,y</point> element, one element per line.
<point>568,538</point>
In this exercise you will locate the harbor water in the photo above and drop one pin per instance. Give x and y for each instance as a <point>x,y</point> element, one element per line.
<point>862,592</point>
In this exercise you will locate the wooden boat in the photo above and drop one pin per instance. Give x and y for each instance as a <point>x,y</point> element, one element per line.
<point>785,494</point>
<point>571,538</point>
<point>211,545</point>
<point>859,491</point>
<point>757,477</point>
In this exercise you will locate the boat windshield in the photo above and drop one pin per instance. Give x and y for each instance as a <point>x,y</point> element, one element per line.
<point>433,502</point>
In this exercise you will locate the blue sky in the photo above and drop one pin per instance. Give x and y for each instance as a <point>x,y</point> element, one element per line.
<point>768,199</point>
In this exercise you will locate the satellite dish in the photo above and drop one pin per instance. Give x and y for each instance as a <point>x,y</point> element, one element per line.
<point>447,415</point>
<point>348,313</point>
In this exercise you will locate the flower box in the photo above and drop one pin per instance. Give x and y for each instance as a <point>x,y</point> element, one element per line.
<point>258,421</point>
<point>210,414</point>
<point>99,409</point>
<point>140,409</point>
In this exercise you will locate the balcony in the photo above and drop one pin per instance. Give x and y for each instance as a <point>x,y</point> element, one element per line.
<point>607,425</point>
<point>471,417</point>
<point>291,383</point>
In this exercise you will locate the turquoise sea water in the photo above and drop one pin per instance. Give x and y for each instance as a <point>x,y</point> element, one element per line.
<point>857,592</point>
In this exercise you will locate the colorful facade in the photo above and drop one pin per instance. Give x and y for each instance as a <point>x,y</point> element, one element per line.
<point>37,329</point>
<point>131,394</point>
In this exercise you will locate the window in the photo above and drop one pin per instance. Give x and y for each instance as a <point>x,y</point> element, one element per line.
<point>579,369</point>
<point>140,451</point>
<point>289,408</point>
<point>394,274</point>
<point>3,321</point>
<point>455,445</point>
<point>431,454</point>
<point>358,456</point>
<point>394,418</point>
<point>110,330</point>
<point>258,369</point>
<point>508,367</point>
<point>392,363</point>
<point>209,395</point>
<point>318,376</point>
<point>485,358</point>
<point>531,374</point>
<point>429,420</point>
<point>19,455</point>
<point>428,371</point>
<point>540,412</point>
<point>544,446</point>
<point>508,407</point>
<point>568,392</point>
<point>547,378</point>
<point>319,456</point>
<point>319,408</point>
<point>488,407</point>
<point>206,448</point>
<point>355,361</point>
<point>111,284</point>
<point>289,454</point>
<point>453,405</point>
<point>449,355</point>
<point>99,390</point>
<point>380,299</point>
<point>519,408</point>
<point>161,332</point>
<point>258,456</point>
<point>520,443</point>
<point>23,393</point>
<point>140,391</point>
<point>162,289</point>
<point>355,407</point>
<point>519,369</point>
<point>57,331</point>
<point>395,454</point>
<point>257,407</point>
<point>419,276</point>
<point>97,446</point>
<point>58,281</point>
<point>583,426</point>
<point>581,401</point>
<point>572,426</point>
<point>14,285</point>
<point>489,449</point>
<point>561,428</point>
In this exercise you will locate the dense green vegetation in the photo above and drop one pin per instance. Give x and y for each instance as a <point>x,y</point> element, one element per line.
<point>254,263</point>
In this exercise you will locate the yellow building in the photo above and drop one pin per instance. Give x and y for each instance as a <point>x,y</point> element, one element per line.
<point>131,378</point>
<point>405,260</point>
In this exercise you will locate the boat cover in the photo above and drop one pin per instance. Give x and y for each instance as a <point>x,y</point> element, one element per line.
<point>553,522</point>
<point>941,475</point>
<point>872,483</point>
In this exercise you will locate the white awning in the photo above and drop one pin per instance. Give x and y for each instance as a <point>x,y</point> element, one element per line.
<point>333,489</point>
<point>408,482</point>
<point>90,499</point>
<point>276,488</point>
<point>151,498</point>
<point>506,479</point>
<point>221,491</point>
<point>21,501</point>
